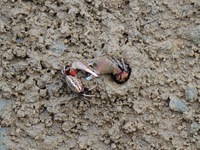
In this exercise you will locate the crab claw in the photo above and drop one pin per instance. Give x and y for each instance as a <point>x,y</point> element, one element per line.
<point>81,66</point>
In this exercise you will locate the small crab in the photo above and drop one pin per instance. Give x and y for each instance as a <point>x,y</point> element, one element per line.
<point>120,72</point>
<point>73,82</point>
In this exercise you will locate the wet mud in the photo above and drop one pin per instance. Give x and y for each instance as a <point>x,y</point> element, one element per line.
<point>157,108</point>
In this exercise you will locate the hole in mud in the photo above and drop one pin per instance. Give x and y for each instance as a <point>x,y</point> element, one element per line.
<point>62,105</point>
<point>108,11</point>
<point>43,65</point>
<point>54,15</point>
<point>47,47</point>
<point>168,100</point>
<point>102,45</point>
<point>125,35</point>
<point>68,37</point>
<point>28,1</point>
<point>127,2</point>
<point>119,80</point>
<point>42,109</point>
<point>52,116</point>
<point>78,15</point>
<point>192,3</point>
<point>59,4</point>
<point>84,43</point>
<point>88,2</point>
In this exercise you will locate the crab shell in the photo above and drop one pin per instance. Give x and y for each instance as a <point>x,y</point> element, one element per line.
<point>71,80</point>
<point>74,84</point>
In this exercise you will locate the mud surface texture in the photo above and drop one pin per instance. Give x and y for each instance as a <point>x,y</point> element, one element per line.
<point>158,108</point>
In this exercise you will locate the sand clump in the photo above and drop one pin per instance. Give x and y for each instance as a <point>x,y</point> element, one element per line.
<point>158,39</point>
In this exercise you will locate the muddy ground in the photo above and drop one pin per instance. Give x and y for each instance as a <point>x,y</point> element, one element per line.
<point>157,108</point>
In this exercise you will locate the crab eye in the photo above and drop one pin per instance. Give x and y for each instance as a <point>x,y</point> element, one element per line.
<point>66,70</point>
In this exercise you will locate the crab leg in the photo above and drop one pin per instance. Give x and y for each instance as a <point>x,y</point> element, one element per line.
<point>92,87</point>
<point>63,71</point>
<point>88,95</point>
<point>124,66</point>
<point>116,62</point>
<point>119,63</point>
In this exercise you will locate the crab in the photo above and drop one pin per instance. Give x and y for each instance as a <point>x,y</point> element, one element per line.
<point>120,72</point>
<point>72,80</point>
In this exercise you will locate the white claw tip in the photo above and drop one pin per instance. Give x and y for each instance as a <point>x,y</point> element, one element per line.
<point>91,72</point>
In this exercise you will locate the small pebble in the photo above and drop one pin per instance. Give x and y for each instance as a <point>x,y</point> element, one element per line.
<point>57,48</point>
<point>191,93</point>
<point>194,128</point>
<point>177,105</point>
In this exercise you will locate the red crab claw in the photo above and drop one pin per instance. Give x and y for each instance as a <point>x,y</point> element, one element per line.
<point>81,66</point>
